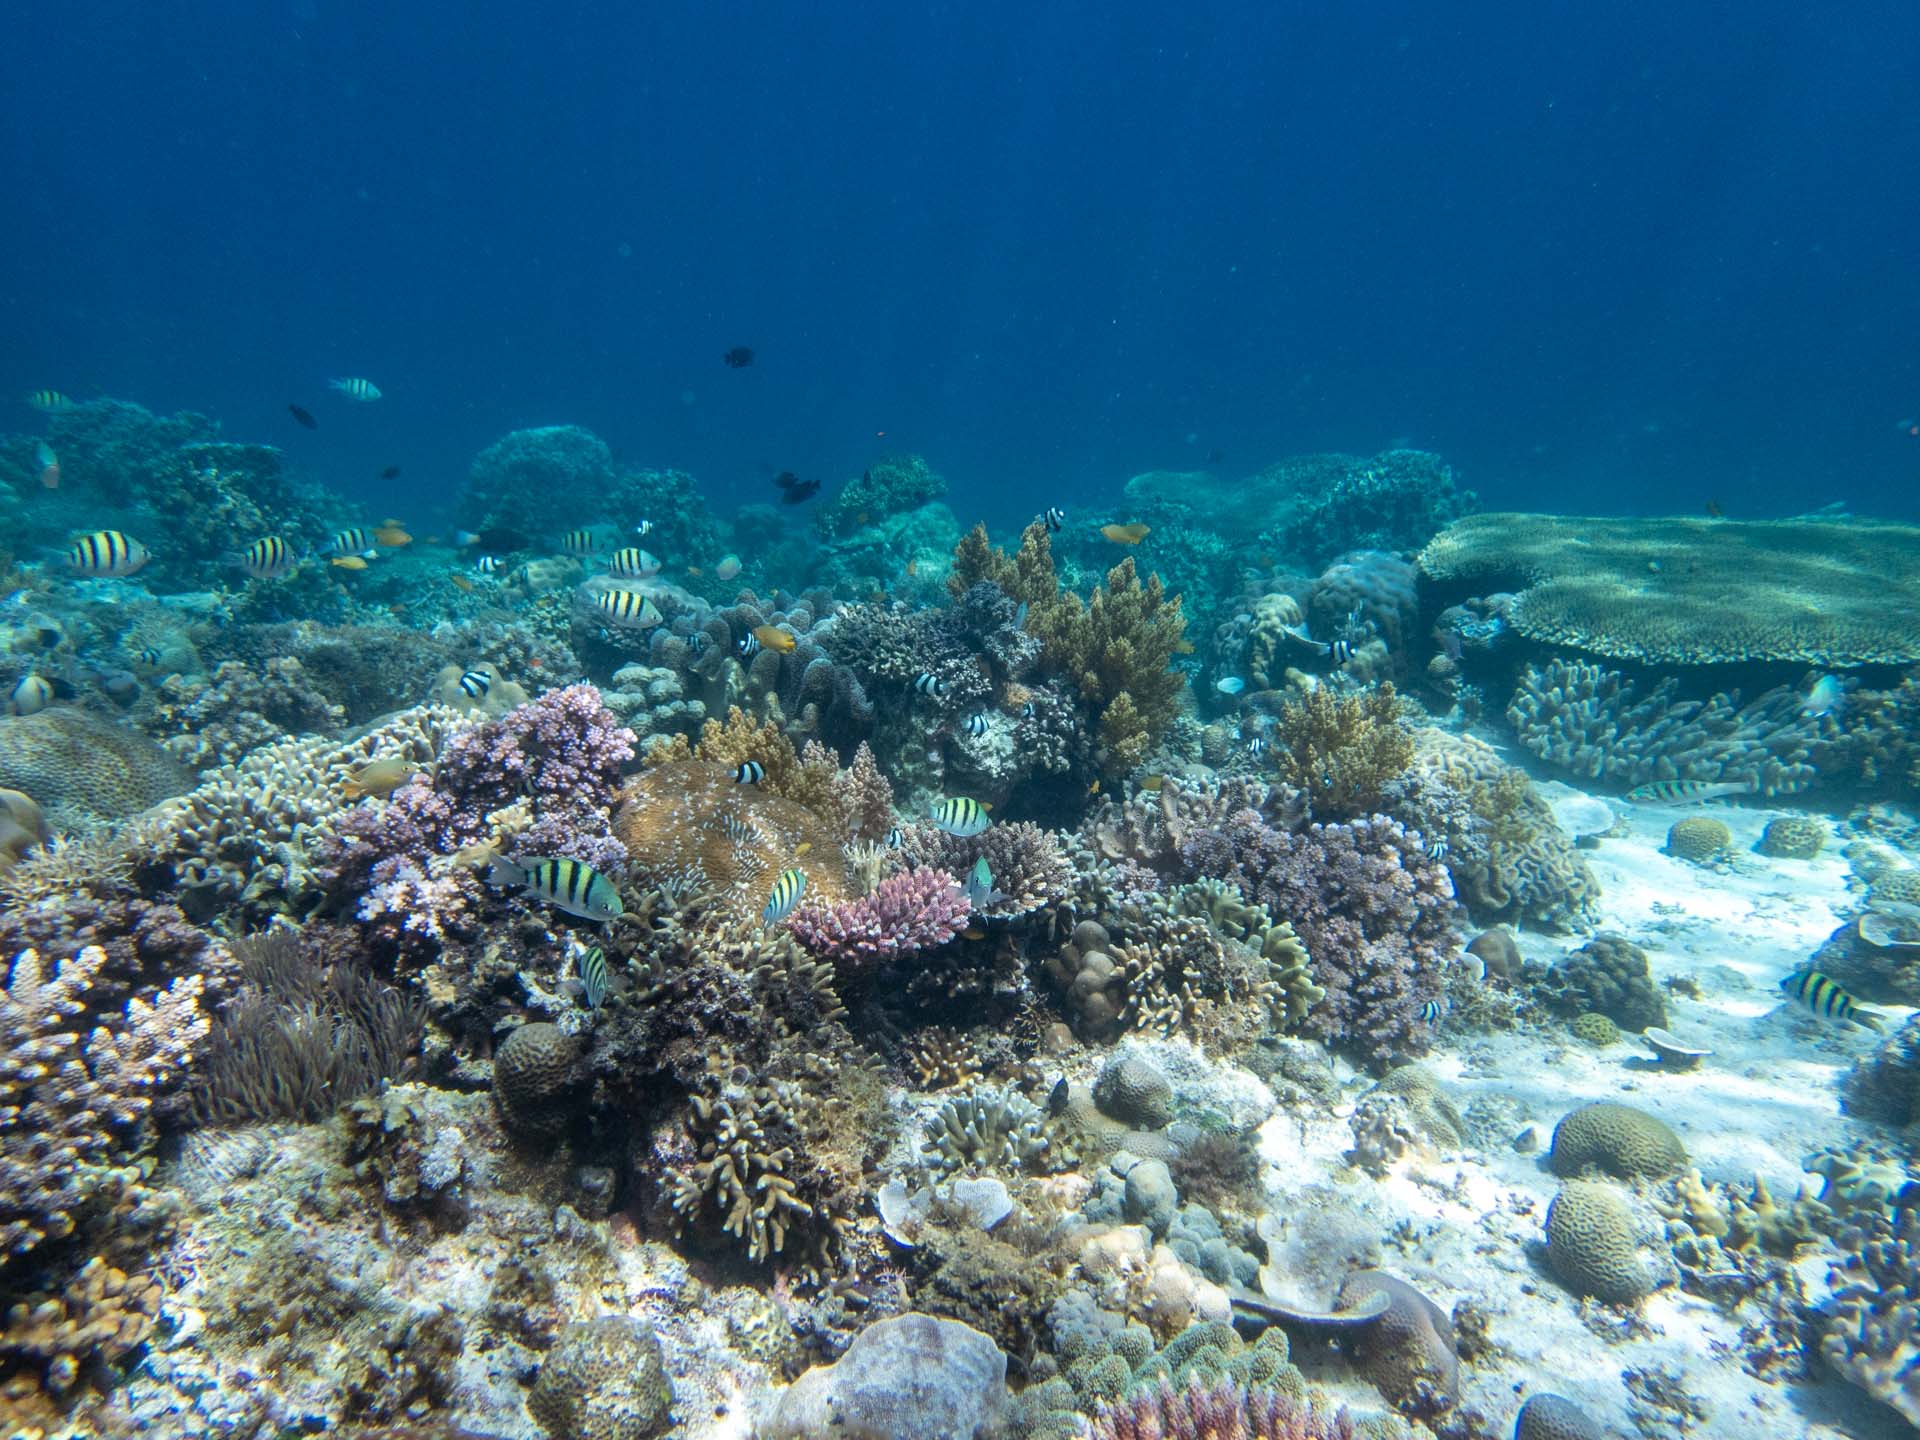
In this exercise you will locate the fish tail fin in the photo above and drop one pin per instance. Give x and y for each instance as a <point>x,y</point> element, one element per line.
<point>504,872</point>
<point>1871,1019</point>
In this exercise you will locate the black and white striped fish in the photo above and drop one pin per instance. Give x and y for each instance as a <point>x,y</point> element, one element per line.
<point>1257,746</point>
<point>1437,848</point>
<point>1341,650</point>
<point>475,683</point>
<point>566,884</point>
<point>267,558</point>
<point>749,645</point>
<point>1055,517</point>
<point>633,563</point>
<point>928,683</point>
<point>749,772</point>
<point>354,540</point>
<point>487,565</point>
<point>1432,1011</point>
<point>354,388</point>
<point>1824,995</point>
<point>594,977</point>
<point>787,891</point>
<point>1687,792</point>
<point>107,552</point>
<point>960,815</point>
<point>896,837</point>
<point>629,608</point>
<point>975,725</point>
<point>1026,711</point>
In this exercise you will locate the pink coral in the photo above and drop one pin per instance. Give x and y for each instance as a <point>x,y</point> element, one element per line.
<point>914,910</point>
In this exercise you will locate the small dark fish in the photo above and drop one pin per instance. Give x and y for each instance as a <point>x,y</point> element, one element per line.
<point>749,645</point>
<point>739,357</point>
<point>1214,457</point>
<point>975,725</point>
<point>927,683</point>
<point>303,415</point>
<point>392,472</point>
<point>499,539</point>
<point>896,837</point>
<point>1055,517</point>
<point>1026,711</point>
<point>794,490</point>
<point>749,772</point>
<point>1714,511</point>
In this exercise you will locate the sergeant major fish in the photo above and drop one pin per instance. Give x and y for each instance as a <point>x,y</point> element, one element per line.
<point>563,883</point>
<point>786,894</point>
<point>960,815</point>
<point>1824,995</point>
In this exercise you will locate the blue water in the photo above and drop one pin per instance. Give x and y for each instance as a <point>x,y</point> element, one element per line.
<point>1601,257</point>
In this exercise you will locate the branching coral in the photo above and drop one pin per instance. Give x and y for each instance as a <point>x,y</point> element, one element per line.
<point>1587,719</point>
<point>1375,911</point>
<point>71,1107</point>
<point>1342,750</point>
<point>1871,1333</point>
<point>1115,649</point>
<point>1027,868</point>
<point>987,1129</point>
<point>858,798</point>
<point>914,910</point>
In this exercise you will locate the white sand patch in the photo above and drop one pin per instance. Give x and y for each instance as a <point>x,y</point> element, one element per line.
<point>1471,1226</point>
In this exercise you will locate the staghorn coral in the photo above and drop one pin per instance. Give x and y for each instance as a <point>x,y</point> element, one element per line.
<point>1587,719</point>
<point>73,1108</point>
<point>1342,750</point>
<point>911,911</point>
<point>1871,1333</point>
<point>1029,869</point>
<point>1695,591</point>
<point>79,768</point>
<point>1373,909</point>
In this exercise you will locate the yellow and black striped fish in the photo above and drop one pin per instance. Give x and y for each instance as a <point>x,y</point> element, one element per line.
<point>354,540</point>
<point>107,552</point>
<point>628,607</point>
<point>267,558</point>
<point>49,402</point>
<point>565,884</point>
<point>580,542</point>
<point>1824,995</point>
<point>960,816</point>
<point>787,891</point>
<point>633,563</point>
<point>355,388</point>
<point>594,977</point>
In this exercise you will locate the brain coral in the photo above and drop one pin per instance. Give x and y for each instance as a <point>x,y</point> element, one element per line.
<point>1618,1139</point>
<point>603,1380</point>
<point>1793,837</point>
<point>1553,1417</point>
<point>1696,591</point>
<point>688,821</point>
<point>1591,1242</point>
<point>70,761</point>
<point>1698,838</point>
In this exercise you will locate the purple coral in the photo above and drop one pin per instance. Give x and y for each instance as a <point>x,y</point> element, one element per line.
<point>914,910</point>
<point>1373,909</point>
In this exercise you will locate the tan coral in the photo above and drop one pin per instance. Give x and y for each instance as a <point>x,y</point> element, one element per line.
<point>1687,591</point>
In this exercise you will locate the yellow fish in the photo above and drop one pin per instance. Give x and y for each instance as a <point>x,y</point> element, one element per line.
<point>974,934</point>
<point>1183,647</point>
<point>349,562</point>
<point>378,777</point>
<point>1153,783</point>
<point>913,566</point>
<point>774,638</point>
<point>802,848</point>
<point>695,571</point>
<point>1094,789</point>
<point>462,584</point>
<point>392,537</point>
<point>1125,534</point>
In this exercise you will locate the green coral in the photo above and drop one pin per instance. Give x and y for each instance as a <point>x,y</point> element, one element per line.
<point>1342,749</point>
<point>1597,1030</point>
<point>890,485</point>
<point>1792,837</point>
<point>987,1129</point>
<point>1698,838</point>
<point>1618,1139</point>
<point>1114,648</point>
<point>1275,942</point>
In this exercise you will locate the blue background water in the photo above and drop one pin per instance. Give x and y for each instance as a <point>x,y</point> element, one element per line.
<point>1619,257</point>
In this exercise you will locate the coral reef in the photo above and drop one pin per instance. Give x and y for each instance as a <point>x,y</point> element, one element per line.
<point>1028,870</point>
<point>1606,976</point>
<point>914,910</point>
<point>958,1387</point>
<point>1692,591</point>
<point>1593,1245</point>
<point>1868,1333</point>
<point>1792,837</point>
<point>80,768</point>
<point>1218,1408</point>
<point>1587,719</point>
<point>890,485</point>
<point>603,1380</point>
<point>1342,750</point>
<point>1698,838</point>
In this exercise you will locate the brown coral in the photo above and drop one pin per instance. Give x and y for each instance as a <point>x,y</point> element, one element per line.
<point>858,799</point>
<point>1341,750</point>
